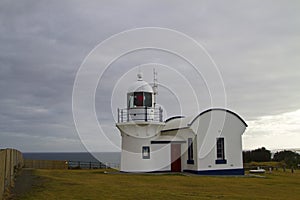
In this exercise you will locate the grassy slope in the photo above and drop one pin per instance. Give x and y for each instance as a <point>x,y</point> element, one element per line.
<point>94,184</point>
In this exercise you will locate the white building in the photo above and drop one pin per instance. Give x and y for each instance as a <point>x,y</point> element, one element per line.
<point>209,143</point>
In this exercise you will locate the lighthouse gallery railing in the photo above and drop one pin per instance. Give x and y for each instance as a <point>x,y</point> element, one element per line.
<point>144,114</point>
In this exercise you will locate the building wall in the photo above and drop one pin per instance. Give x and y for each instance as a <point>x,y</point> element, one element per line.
<point>185,134</point>
<point>205,130</point>
<point>135,135</point>
<point>132,158</point>
<point>216,124</point>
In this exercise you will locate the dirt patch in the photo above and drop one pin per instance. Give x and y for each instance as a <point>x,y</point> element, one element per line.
<point>24,183</point>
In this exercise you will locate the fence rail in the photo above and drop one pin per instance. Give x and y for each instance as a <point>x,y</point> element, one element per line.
<point>45,164</point>
<point>61,164</point>
<point>91,165</point>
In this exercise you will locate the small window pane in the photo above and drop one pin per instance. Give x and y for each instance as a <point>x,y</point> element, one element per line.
<point>148,99</point>
<point>190,149</point>
<point>220,149</point>
<point>130,100</point>
<point>146,152</point>
<point>138,98</point>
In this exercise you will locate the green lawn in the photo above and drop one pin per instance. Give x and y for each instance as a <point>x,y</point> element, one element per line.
<point>94,184</point>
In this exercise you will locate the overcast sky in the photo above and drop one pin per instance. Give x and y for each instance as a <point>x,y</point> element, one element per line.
<point>255,45</point>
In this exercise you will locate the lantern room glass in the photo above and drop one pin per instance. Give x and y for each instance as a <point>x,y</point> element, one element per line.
<point>139,99</point>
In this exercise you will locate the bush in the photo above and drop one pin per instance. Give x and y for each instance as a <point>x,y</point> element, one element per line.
<point>257,155</point>
<point>292,159</point>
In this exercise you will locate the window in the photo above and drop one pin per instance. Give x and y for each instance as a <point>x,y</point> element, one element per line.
<point>130,100</point>
<point>138,99</point>
<point>220,151</point>
<point>146,152</point>
<point>148,99</point>
<point>190,151</point>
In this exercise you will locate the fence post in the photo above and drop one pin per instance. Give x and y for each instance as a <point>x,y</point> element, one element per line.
<point>12,167</point>
<point>2,172</point>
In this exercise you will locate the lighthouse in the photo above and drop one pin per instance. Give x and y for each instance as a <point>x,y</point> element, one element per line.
<point>208,143</point>
<point>139,124</point>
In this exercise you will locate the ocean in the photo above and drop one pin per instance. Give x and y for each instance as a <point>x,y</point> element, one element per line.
<point>104,157</point>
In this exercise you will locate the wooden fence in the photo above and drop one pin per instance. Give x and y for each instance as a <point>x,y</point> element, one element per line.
<point>60,164</point>
<point>45,164</point>
<point>91,165</point>
<point>11,160</point>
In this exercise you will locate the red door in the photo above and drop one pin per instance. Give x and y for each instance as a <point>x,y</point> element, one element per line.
<point>176,157</point>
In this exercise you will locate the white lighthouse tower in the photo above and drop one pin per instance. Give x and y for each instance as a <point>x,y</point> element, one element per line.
<point>139,123</point>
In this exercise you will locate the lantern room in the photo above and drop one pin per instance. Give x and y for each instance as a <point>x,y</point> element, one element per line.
<point>140,103</point>
<point>140,94</point>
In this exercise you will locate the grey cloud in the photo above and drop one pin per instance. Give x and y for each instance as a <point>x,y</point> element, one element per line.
<point>43,43</point>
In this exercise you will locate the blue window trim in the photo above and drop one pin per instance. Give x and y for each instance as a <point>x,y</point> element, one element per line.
<point>221,161</point>
<point>190,162</point>
<point>239,171</point>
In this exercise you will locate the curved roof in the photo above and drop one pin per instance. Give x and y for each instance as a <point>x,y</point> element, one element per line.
<point>174,117</point>
<point>140,86</point>
<point>180,122</point>
<point>175,123</point>
<point>221,109</point>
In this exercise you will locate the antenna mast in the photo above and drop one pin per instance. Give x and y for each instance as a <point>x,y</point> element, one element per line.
<point>155,86</point>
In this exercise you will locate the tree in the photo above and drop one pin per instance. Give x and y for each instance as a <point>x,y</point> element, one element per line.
<point>261,155</point>
<point>292,159</point>
<point>257,155</point>
<point>247,156</point>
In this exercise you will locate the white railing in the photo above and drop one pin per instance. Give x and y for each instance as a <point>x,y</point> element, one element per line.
<point>140,114</point>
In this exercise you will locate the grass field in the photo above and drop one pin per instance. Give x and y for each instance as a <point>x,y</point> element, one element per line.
<point>95,184</point>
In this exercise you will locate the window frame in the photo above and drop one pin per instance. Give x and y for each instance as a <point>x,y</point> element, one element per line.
<point>220,151</point>
<point>146,152</point>
<point>190,151</point>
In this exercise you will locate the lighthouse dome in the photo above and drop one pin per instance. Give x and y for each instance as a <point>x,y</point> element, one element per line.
<point>140,86</point>
<point>140,94</point>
